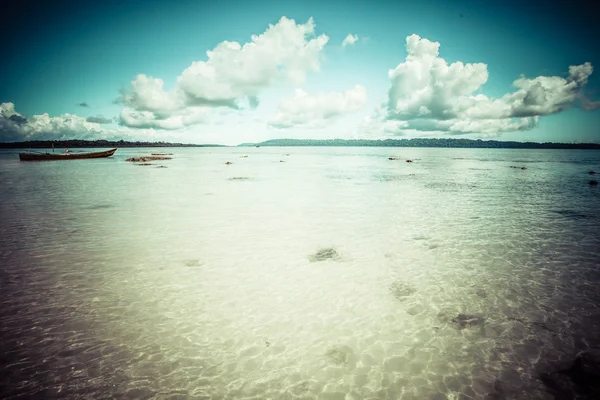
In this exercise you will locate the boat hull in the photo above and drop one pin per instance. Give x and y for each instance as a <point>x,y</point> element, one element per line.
<point>64,156</point>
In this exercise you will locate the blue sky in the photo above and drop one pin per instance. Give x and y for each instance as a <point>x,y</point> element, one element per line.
<point>71,66</point>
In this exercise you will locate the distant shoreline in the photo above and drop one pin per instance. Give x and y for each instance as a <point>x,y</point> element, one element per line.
<point>435,143</point>
<point>46,144</point>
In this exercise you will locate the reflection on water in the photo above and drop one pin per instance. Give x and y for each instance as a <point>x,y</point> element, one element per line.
<point>338,274</point>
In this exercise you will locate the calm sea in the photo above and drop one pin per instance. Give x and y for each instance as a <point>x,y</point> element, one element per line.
<point>297,273</point>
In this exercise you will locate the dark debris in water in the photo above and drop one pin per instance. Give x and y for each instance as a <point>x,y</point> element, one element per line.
<point>147,158</point>
<point>324,254</point>
<point>193,263</point>
<point>570,214</point>
<point>401,290</point>
<point>593,182</point>
<point>340,355</point>
<point>100,206</point>
<point>462,321</point>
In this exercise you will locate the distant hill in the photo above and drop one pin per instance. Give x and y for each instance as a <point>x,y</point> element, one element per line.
<point>452,143</point>
<point>46,144</point>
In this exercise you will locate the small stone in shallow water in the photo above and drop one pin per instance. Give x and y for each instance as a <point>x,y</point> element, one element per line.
<point>340,354</point>
<point>193,263</point>
<point>462,321</point>
<point>324,254</point>
<point>593,182</point>
<point>481,293</point>
<point>401,290</point>
<point>147,158</point>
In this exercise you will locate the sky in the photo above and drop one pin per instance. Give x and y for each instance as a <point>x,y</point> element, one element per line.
<point>236,72</point>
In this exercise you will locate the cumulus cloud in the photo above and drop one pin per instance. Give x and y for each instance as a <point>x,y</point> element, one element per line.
<point>99,120</point>
<point>304,109</point>
<point>350,40</point>
<point>16,127</point>
<point>233,75</point>
<point>147,119</point>
<point>435,96</point>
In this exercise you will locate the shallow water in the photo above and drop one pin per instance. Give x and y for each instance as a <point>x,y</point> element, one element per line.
<point>335,274</point>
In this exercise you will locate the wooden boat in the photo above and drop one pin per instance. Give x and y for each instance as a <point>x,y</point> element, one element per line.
<point>37,156</point>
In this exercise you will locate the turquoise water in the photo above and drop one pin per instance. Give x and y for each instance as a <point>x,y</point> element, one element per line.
<point>297,273</point>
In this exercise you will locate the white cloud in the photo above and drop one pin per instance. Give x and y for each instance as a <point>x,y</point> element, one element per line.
<point>147,119</point>
<point>304,109</point>
<point>148,94</point>
<point>17,127</point>
<point>350,40</point>
<point>435,96</point>
<point>233,75</point>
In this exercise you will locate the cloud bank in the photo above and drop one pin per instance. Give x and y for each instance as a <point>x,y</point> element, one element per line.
<point>233,76</point>
<point>16,127</point>
<point>99,119</point>
<point>316,111</point>
<point>427,94</point>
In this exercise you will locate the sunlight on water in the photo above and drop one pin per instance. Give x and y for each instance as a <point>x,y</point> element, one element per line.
<point>297,273</point>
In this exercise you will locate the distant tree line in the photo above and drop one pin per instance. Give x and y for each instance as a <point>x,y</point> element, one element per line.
<point>452,143</point>
<point>46,144</point>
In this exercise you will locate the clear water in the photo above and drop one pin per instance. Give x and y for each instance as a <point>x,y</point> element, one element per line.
<point>127,281</point>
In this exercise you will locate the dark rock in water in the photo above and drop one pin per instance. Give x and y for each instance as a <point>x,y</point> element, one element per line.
<point>462,321</point>
<point>162,166</point>
<point>592,172</point>
<point>393,158</point>
<point>409,160</point>
<point>144,164</point>
<point>523,168</point>
<point>100,206</point>
<point>341,355</point>
<point>593,182</point>
<point>147,158</point>
<point>580,381</point>
<point>239,178</point>
<point>481,293</point>
<point>162,154</point>
<point>401,290</point>
<point>570,214</point>
<point>323,254</point>
<point>228,163</point>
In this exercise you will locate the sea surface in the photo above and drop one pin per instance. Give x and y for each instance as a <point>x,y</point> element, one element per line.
<point>297,273</point>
